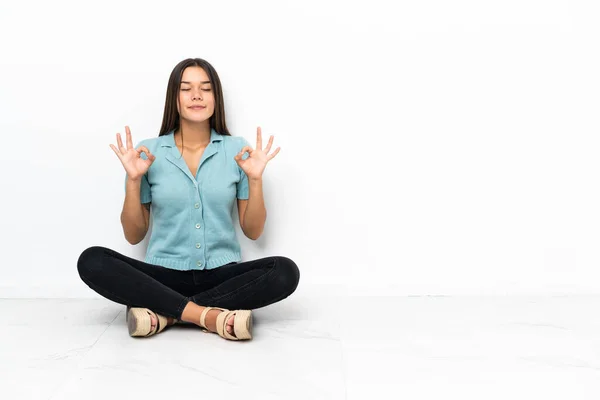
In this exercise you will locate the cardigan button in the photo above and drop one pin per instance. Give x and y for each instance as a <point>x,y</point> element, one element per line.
<point>197,226</point>
<point>199,263</point>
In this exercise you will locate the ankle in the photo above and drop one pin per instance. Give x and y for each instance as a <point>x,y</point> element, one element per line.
<point>193,312</point>
<point>211,320</point>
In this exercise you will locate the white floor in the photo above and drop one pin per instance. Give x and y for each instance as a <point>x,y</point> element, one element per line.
<point>311,347</point>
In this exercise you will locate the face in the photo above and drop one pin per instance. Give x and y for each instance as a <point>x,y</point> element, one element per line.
<point>196,101</point>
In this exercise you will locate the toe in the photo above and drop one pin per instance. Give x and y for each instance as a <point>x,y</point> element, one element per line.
<point>152,320</point>
<point>230,325</point>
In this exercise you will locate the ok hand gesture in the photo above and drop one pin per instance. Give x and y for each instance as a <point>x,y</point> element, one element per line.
<point>133,163</point>
<point>258,158</point>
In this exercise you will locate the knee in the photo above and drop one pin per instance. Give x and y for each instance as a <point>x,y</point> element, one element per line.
<point>90,261</point>
<point>288,275</point>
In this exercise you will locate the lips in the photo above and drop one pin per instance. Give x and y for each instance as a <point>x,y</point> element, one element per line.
<point>197,107</point>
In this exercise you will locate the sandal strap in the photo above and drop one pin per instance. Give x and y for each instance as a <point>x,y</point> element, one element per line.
<point>161,322</point>
<point>205,313</point>
<point>157,328</point>
<point>203,316</point>
<point>222,325</point>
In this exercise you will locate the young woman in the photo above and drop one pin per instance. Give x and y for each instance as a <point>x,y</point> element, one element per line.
<point>188,178</point>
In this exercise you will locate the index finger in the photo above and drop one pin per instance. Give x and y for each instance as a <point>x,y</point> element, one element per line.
<point>144,149</point>
<point>129,140</point>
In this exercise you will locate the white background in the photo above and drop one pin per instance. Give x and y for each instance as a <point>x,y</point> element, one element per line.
<point>428,147</point>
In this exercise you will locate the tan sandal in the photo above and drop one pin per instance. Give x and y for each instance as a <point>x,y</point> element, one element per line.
<point>139,322</point>
<point>242,323</point>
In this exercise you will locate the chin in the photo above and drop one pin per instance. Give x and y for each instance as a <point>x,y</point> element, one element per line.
<point>196,118</point>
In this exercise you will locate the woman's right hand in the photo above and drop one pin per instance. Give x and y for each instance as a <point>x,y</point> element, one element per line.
<point>135,165</point>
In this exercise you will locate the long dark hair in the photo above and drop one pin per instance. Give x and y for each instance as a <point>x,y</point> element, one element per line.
<point>171,118</point>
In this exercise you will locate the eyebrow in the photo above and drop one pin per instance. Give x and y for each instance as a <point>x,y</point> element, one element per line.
<point>189,83</point>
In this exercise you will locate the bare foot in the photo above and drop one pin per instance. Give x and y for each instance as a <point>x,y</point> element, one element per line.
<point>152,321</point>
<point>230,325</point>
<point>170,321</point>
<point>211,321</point>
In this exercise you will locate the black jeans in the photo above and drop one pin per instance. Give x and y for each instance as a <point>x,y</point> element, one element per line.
<point>246,285</point>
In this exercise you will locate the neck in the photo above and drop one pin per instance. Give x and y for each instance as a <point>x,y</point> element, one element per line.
<point>194,134</point>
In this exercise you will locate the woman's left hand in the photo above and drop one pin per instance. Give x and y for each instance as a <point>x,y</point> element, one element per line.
<point>258,158</point>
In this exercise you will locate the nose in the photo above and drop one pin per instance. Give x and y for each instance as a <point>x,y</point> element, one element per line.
<point>197,95</point>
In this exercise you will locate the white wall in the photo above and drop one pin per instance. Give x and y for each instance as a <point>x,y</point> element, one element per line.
<point>428,147</point>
